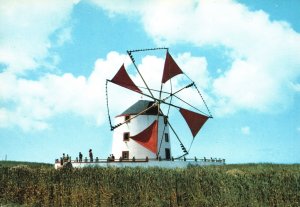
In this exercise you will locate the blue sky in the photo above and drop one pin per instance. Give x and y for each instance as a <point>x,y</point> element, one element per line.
<point>243,55</point>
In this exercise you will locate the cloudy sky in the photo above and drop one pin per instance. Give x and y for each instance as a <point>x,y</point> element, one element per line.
<point>55,57</point>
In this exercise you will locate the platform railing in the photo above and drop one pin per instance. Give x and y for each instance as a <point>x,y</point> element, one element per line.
<point>109,159</point>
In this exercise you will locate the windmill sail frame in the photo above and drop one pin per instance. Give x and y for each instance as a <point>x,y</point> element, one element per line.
<point>194,120</point>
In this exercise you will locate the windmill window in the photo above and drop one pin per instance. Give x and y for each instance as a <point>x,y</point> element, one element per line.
<point>165,120</point>
<point>127,117</point>
<point>126,136</point>
<point>166,137</point>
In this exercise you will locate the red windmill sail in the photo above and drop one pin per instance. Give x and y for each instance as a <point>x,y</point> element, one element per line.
<point>194,120</point>
<point>171,69</point>
<point>148,137</point>
<point>123,79</point>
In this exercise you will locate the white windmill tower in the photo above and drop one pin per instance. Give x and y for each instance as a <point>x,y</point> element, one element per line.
<point>145,135</point>
<point>143,129</point>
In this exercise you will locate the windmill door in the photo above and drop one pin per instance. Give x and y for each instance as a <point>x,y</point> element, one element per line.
<point>168,154</point>
<point>125,155</point>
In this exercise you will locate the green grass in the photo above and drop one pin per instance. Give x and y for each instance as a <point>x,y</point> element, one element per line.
<point>29,164</point>
<point>229,185</point>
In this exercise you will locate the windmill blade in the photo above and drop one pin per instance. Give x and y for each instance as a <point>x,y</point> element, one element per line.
<point>122,79</point>
<point>148,137</point>
<point>171,68</point>
<point>133,61</point>
<point>194,120</point>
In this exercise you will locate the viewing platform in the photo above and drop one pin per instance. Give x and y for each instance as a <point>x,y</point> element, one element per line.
<point>146,162</point>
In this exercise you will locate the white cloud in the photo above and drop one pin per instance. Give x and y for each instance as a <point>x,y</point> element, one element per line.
<point>195,68</point>
<point>298,129</point>
<point>265,54</point>
<point>25,30</point>
<point>246,86</point>
<point>31,103</point>
<point>245,130</point>
<point>16,118</point>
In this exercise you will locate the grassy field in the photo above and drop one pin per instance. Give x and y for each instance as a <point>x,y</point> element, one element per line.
<point>30,184</point>
<point>28,164</point>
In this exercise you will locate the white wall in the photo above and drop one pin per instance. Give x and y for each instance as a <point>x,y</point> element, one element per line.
<point>135,126</point>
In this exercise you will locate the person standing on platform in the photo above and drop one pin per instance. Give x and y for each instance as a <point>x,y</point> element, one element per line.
<point>91,155</point>
<point>80,157</point>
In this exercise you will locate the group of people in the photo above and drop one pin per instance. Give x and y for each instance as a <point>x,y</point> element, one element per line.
<point>111,157</point>
<point>64,159</point>
<point>90,155</point>
<point>67,158</point>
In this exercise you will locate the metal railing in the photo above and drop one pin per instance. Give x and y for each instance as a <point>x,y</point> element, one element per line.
<point>109,159</point>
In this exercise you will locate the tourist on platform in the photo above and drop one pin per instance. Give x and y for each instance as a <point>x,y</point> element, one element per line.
<point>113,157</point>
<point>80,157</point>
<point>91,155</point>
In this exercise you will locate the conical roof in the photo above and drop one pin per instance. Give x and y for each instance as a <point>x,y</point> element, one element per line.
<point>140,106</point>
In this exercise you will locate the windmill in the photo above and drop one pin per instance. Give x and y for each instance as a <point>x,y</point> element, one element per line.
<point>143,129</point>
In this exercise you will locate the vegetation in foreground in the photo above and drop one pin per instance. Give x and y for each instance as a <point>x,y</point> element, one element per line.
<point>10,163</point>
<point>229,185</point>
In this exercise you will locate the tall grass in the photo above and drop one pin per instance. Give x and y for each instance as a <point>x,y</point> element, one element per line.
<point>230,185</point>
